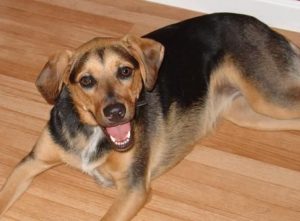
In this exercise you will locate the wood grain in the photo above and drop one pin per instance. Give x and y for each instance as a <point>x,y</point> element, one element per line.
<point>233,174</point>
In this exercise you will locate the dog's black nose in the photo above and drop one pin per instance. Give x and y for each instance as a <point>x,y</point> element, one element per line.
<point>115,112</point>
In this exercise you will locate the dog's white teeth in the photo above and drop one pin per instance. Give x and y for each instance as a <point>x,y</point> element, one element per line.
<point>120,143</point>
<point>128,135</point>
<point>113,139</point>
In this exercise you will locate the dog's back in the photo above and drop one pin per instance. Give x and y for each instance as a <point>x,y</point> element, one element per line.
<point>210,61</point>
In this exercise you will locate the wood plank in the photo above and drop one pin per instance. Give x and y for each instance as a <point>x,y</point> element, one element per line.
<point>233,174</point>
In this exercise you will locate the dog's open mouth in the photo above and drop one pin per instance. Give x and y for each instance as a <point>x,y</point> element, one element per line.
<point>120,136</point>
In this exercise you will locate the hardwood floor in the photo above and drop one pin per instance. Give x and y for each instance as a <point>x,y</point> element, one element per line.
<point>234,174</point>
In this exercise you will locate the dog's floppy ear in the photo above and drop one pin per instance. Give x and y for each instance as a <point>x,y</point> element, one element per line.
<point>50,80</point>
<point>149,54</point>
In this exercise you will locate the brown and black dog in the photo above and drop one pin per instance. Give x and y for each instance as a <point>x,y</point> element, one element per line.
<point>126,110</point>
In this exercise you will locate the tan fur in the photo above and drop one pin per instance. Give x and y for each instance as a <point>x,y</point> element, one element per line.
<point>180,133</point>
<point>243,115</point>
<point>239,101</point>
<point>258,101</point>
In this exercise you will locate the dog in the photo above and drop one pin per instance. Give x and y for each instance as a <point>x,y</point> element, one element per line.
<point>128,109</point>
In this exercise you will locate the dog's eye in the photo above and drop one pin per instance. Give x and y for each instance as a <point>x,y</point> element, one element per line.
<point>87,81</point>
<point>125,72</point>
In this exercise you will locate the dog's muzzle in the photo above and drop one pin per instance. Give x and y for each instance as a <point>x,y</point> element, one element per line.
<point>120,135</point>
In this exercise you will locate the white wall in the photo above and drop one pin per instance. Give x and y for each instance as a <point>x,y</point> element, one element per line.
<point>284,14</point>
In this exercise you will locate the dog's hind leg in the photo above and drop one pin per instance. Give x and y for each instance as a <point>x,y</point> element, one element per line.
<point>268,98</point>
<point>240,113</point>
<point>276,108</point>
<point>41,158</point>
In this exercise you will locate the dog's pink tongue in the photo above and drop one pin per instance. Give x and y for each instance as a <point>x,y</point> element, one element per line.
<point>119,132</point>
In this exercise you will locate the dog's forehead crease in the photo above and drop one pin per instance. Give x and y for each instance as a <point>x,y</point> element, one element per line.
<point>115,51</point>
<point>109,53</point>
<point>122,52</point>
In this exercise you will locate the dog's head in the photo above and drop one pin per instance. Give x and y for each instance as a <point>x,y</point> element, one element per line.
<point>104,77</point>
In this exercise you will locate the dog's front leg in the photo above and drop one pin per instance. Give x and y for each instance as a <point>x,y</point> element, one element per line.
<point>41,158</point>
<point>128,202</point>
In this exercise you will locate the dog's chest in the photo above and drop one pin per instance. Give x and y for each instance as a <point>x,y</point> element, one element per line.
<point>89,155</point>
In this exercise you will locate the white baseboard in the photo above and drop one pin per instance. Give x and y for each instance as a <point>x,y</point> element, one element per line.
<point>284,14</point>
